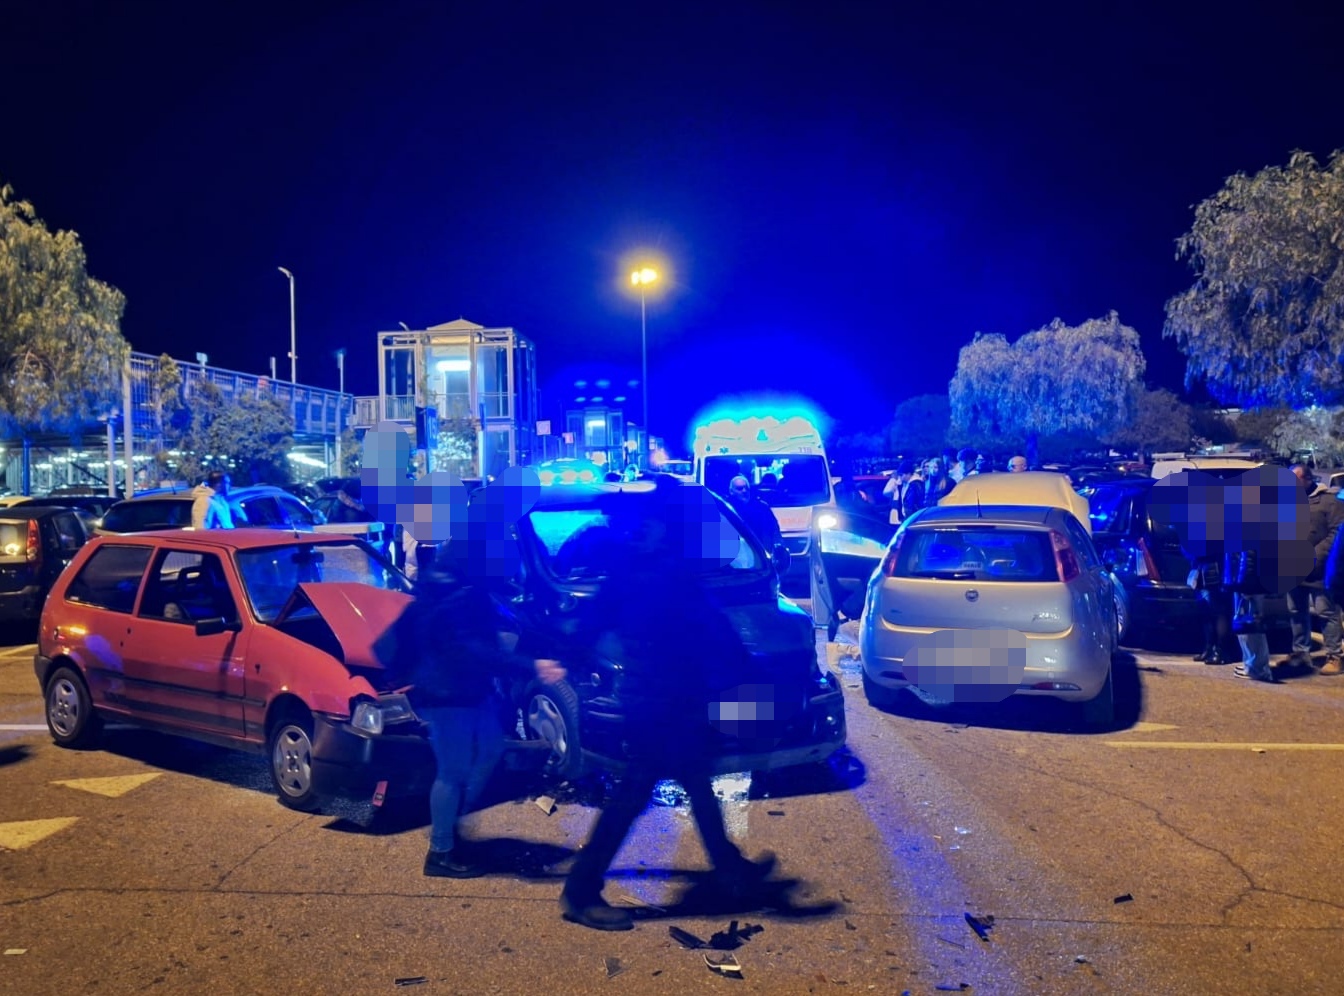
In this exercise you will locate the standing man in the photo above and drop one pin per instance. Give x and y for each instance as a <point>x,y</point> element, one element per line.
<point>1017,465</point>
<point>1299,596</point>
<point>1327,517</point>
<point>672,639</point>
<point>759,517</point>
<point>455,645</point>
<point>210,502</point>
<point>906,492</point>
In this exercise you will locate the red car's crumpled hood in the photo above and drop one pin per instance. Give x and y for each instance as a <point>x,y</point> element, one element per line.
<point>358,615</point>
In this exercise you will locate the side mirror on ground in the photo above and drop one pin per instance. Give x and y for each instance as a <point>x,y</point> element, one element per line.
<point>781,558</point>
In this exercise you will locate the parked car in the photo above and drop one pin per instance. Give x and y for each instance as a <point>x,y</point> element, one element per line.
<point>568,543</point>
<point>259,505</point>
<point>247,637</point>
<point>978,603</point>
<point>1031,487</point>
<point>1150,565</point>
<point>36,544</point>
<point>91,508</point>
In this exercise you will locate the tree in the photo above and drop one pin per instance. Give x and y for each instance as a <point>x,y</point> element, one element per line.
<point>1264,321</point>
<point>1058,379</point>
<point>61,348</point>
<point>1260,424</point>
<point>1312,431</point>
<point>249,436</point>
<point>1161,421</point>
<point>1212,426</point>
<point>920,425</point>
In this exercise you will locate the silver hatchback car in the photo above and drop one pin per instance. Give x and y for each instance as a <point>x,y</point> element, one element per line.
<point>977,604</point>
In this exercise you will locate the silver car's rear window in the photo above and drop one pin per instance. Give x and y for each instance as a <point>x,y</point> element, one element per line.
<point>977,554</point>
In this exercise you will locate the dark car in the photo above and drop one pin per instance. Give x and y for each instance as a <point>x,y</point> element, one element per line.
<point>36,543</point>
<point>91,508</point>
<point>568,544</point>
<point>1149,563</point>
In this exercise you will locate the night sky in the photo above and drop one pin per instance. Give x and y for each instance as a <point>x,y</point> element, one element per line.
<point>844,193</point>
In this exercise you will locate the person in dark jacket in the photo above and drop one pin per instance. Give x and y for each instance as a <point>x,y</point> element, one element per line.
<point>1327,518</point>
<point>656,617</point>
<point>937,482</point>
<point>759,516</point>
<point>1299,596</point>
<point>455,645</point>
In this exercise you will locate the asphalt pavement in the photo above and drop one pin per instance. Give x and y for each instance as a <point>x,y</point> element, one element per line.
<point>1189,850</point>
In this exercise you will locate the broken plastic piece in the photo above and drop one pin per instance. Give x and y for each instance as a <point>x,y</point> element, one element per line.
<point>16,951</point>
<point>546,804</point>
<point>669,793</point>
<point>1258,750</point>
<point>1126,898</point>
<point>724,963</point>
<point>685,938</point>
<point>412,980</point>
<point>982,925</point>
<point>614,967</point>
<point>1081,959</point>
<point>732,938</point>
<point>952,987</point>
<point>380,793</point>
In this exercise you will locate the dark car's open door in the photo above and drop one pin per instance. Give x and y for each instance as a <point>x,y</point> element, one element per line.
<point>847,545</point>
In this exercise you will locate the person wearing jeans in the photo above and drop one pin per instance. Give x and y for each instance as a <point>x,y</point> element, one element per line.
<point>1248,621</point>
<point>468,743</point>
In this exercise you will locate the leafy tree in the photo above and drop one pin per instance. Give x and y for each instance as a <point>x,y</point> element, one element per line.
<point>457,446</point>
<point>1161,421</point>
<point>249,435</point>
<point>920,425</point>
<point>1264,321</point>
<point>61,349</point>
<point>1058,379</point>
<point>1314,431</point>
<point>1212,426</point>
<point>1258,425</point>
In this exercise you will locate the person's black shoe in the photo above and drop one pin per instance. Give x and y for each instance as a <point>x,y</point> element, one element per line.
<point>594,913</point>
<point>1203,656</point>
<point>450,864</point>
<point>1216,657</point>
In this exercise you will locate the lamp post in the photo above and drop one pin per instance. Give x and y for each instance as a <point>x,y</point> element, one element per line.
<point>340,408</point>
<point>293,342</point>
<point>642,278</point>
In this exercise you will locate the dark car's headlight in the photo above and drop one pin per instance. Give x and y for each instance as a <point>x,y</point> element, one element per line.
<point>372,716</point>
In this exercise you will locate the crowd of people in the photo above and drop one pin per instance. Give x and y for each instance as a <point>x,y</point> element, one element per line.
<point>914,486</point>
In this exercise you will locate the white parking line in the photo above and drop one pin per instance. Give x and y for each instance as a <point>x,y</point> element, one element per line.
<point>22,727</point>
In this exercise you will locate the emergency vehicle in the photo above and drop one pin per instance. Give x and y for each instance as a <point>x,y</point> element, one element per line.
<point>785,461</point>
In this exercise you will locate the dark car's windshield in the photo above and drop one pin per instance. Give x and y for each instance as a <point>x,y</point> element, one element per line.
<point>144,514</point>
<point>270,574</point>
<point>786,480</point>
<point>584,543</point>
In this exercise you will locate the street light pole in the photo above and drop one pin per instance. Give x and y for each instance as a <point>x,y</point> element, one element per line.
<point>293,337</point>
<point>642,279</point>
<point>340,407</point>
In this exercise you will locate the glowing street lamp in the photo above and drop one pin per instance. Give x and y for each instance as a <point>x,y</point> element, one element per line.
<point>641,279</point>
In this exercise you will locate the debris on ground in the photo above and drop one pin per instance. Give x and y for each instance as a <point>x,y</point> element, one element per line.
<point>952,987</point>
<point>669,793</point>
<point>411,980</point>
<point>732,938</point>
<point>955,944</point>
<point>1126,898</point>
<point>614,967</point>
<point>16,951</point>
<point>686,939</point>
<point>982,925</point>
<point>774,812</point>
<point>1082,960</point>
<point>725,964</point>
<point>546,804</point>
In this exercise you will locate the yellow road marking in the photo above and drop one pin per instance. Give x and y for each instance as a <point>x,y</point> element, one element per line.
<point>113,787</point>
<point>1194,745</point>
<point>25,833</point>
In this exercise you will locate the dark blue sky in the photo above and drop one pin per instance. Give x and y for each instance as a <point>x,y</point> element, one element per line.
<point>847,192</point>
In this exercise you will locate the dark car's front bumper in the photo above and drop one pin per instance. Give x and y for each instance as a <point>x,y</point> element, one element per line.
<point>351,763</point>
<point>813,735</point>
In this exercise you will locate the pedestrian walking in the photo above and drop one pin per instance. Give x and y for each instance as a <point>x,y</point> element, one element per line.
<point>675,643</point>
<point>210,502</point>
<point>457,648</point>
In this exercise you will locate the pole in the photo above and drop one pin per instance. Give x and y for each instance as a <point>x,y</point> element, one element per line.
<point>340,408</point>
<point>293,337</point>
<point>128,429</point>
<point>111,456</point>
<point>644,374</point>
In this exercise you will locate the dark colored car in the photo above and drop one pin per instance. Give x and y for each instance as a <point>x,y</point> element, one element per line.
<point>1150,564</point>
<point>90,508</point>
<point>36,544</point>
<point>568,544</point>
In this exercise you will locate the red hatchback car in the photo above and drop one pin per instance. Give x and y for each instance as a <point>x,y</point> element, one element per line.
<point>250,638</point>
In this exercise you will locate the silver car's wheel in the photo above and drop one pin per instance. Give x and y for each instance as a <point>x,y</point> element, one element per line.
<point>291,752</point>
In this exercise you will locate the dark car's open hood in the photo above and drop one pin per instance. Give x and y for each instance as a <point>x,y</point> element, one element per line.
<point>358,614</point>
